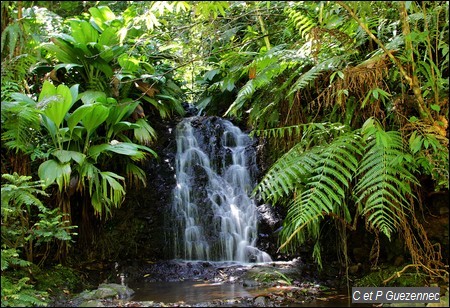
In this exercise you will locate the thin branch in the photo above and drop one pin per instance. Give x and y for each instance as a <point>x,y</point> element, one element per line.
<point>411,81</point>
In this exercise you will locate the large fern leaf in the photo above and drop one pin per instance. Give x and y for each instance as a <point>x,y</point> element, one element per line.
<point>306,78</point>
<point>384,180</point>
<point>302,23</point>
<point>286,175</point>
<point>20,122</point>
<point>325,189</point>
<point>268,66</point>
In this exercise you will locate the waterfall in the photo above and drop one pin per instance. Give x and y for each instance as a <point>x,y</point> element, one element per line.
<point>216,217</point>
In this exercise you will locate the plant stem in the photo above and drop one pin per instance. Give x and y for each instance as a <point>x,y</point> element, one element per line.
<point>412,81</point>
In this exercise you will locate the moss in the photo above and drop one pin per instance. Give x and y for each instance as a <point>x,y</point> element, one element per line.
<point>270,276</point>
<point>56,279</point>
<point>407,279</point>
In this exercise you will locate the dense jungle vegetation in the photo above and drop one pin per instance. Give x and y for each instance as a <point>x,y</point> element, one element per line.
<point>350,100</point>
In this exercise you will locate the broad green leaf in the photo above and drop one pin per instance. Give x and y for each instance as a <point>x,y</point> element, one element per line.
<point>121,111</point>
<point>78,115</point>
<point>101,15</point>
<point>91,96</point>
<point>97,116</point>
<point>123,125</point>
<point>83,33</point>
<point>67,66</point>
<point>62,51</point>
<point>55,102</point>
<point>129,64</point>
<point>108,38</point>
<point>51,170</point>
<point>74,92</point>
<point>124,148</point>
<point>95,150</point>
<point>415,142</point>
<point>65,156</point>
<point>103,66</point>
<point>435,107</point>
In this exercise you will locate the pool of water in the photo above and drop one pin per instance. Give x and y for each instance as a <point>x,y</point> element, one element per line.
<point>193,292</point>
<point>190,292</point>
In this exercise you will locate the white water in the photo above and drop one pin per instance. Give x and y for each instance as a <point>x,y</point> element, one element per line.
<point>217,219</point>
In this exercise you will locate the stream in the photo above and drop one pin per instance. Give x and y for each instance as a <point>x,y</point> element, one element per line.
<point>180,283</point>
<point>194,293</point>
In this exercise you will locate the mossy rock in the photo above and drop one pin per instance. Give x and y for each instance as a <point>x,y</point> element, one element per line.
<point>92,303</point>
<point>270,275</point>
<point>107,290</point>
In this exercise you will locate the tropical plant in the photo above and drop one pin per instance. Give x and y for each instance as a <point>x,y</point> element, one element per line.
<point>26,225</point>
<point>18,293</point>
<point>97,55</point>
<point>26,221</point>
<point>77,150</point>
<point>361,173</point>
<point>341,63</point>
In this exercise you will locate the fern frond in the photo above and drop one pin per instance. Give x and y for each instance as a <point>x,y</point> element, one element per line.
<point>268,67</point>
<point>384,181</point>
<point>306,78</point>
<point>321,194</point>
<point>20,123</point>
<point>319,176</point>
<point>302,23</point>
<point>286,174</point>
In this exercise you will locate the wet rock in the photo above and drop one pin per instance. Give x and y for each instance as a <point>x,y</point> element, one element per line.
<point>260,301</point>
<point>92,303</point>
<point>269,216</point>
<point>104,291</point>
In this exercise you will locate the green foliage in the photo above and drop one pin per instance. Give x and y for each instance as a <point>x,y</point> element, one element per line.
<point>384,185</point>
<point>26,224</point>
<point>303,23</point>
<point>98,52</point>
<point>21,293</point>
<point>10,258</point>
<point>430,154</point>
<point>20,125</point>
<point>369,164</point>
<point>26,221</point>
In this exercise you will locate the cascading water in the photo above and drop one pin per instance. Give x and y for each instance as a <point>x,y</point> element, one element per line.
<point>217,220</point>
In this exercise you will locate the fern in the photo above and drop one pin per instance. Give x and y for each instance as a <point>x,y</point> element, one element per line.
<point>20,123</point>
<point>318,177</point>
<point>307,78</point>
<point>19,192</point>
<point>385,182</point>
<point>21,293</point>
<point>286,174</point>
<point>333,171</point>
<point>299,162</point>
<point>318,174</point>
<point>268,67</point>
<point>302,23</point>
